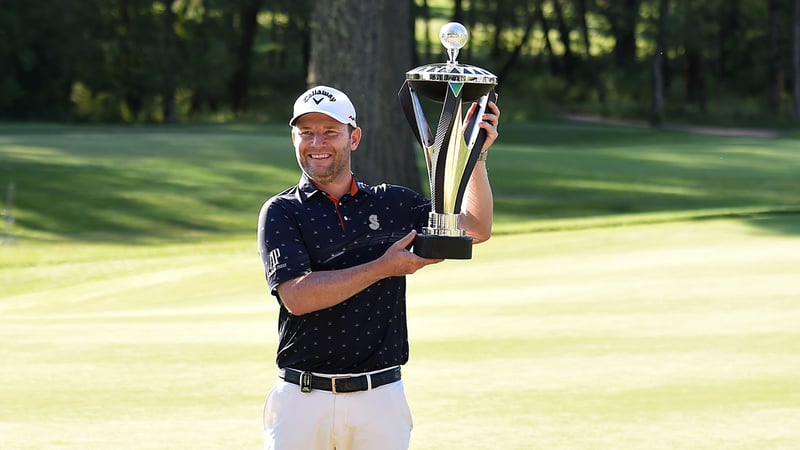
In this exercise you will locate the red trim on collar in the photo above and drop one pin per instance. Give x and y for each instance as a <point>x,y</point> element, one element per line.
<point>353,186</point>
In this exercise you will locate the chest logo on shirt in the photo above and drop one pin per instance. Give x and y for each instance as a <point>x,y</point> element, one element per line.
<point>373,222</point>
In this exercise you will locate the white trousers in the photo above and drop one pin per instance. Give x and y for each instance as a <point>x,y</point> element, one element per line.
<point>378,419</point>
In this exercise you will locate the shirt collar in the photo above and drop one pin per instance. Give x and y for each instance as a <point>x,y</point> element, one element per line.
<point>307,188</point>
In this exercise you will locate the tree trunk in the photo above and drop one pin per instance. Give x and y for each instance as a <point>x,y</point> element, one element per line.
<point>728,37</point>
<point>695,78</point>
<point>240,78</point>
<point>594,74</point>
<point>775,69</point>
<point>129,62</point>
<point>538,13</point>
<point>505,71</point>
<point>622,16</point>
<point>357,47</point>
<point>458,11</point>
<point>472,23</point>
<point>658,64</point>
<point>169,56</point>
<point>563,32</point>
<point>498,16</point>
<point>796,60</point>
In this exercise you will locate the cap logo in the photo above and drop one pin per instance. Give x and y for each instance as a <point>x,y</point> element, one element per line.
<point>316,92</point>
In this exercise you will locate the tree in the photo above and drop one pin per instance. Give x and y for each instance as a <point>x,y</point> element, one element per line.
<point>533,12</point>
<point>775,67</point>
<point>169,63</point>
<point>358,47</point>
<point>796,60</point>
<point>538,13</point>
<point>658,63</point>
<point>247,25</point>
<point>563,32</point>
<point>694,54</point>
<point>622,16</point>
<point>594,76</point>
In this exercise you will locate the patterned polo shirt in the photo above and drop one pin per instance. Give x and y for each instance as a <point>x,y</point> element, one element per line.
<point>303,229</point>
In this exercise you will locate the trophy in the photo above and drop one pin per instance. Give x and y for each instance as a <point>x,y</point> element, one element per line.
<point>452,153</point>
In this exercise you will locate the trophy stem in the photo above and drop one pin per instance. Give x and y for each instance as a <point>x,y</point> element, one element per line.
<point>444,224</point>
<point>452,53</point>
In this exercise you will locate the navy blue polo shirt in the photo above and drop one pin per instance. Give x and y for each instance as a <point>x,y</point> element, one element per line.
<point>304,229</point>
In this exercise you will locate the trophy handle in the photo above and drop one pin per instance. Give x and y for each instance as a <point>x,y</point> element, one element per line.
<point>476,139</point>
<point>412,108</point>
<point>414,116</point>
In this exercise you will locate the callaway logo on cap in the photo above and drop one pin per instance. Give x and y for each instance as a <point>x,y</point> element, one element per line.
<point>325,100</point>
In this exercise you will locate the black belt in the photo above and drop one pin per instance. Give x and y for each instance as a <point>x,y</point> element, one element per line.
<point>307,381</point>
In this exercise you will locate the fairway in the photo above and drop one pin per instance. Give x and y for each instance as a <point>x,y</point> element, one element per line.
<point>674,335</point>
<point>641,292</point>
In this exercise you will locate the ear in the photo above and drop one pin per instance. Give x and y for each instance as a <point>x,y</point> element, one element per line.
<point>355,139</point>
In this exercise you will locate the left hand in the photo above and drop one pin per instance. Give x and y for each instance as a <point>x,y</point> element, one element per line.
<point>489,122</point>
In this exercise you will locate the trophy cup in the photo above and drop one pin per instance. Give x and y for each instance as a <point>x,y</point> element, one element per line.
<point>452,153</point>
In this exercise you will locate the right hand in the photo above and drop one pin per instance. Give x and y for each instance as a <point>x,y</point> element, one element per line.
<point>400,261</point>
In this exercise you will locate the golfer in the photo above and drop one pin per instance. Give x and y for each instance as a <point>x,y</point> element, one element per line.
<point>335,255</point>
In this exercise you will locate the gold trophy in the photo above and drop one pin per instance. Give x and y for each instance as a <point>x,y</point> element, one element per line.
<point>452,153</point>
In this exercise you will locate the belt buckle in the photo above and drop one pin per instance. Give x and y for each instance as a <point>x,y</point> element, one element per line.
<point>333,385</point>
<point>305,382</point>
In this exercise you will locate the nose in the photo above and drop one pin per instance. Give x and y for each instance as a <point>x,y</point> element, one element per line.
<point>317,140</point>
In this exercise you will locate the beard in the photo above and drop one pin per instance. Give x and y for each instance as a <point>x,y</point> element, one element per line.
<point>327,174</point>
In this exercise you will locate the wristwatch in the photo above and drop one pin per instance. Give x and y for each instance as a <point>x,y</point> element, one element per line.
<point>483,155</point>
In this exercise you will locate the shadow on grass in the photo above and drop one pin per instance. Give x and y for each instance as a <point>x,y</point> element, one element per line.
<point>114,184</point>
<point>149,183</point>
<point>781,223</point>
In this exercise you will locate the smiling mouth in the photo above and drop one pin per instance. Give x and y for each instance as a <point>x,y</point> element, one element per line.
<point>320,156</point>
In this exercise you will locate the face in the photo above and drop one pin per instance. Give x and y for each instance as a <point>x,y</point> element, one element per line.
<point>323,145</point>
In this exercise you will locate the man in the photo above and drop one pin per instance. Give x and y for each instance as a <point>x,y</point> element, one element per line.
<point>335,252</point>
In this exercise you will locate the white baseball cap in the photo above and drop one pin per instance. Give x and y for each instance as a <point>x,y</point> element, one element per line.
<point>325,100</point>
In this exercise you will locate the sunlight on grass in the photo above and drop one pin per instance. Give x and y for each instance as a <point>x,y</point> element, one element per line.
<point>640,292</point>
<point>589,338</point>
<point>610,339</point>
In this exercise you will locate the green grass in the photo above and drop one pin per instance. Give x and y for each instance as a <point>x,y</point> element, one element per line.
<point>641,293</point>
<point>165,183</point>
<point>673,335</point>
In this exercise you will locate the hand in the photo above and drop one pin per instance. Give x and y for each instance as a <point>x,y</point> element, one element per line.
<point>399,261</point>
<point>491,118</point>
<point>489,121</point>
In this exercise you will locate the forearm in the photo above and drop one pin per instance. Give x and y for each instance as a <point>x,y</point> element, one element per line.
<point>326,288</point>
<point>478,206</point>
<point>323,289</point>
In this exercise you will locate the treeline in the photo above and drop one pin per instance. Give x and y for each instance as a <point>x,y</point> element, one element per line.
<point>180,60</point>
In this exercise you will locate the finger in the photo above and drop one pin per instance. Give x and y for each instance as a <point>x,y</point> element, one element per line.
<point>493,110</point>
<point>406,240</point>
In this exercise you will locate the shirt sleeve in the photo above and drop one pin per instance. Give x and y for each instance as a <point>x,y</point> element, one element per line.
<point>281,246</point>
<point>421,207</point>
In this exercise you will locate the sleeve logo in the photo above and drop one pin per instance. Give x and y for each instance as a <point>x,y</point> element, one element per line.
<point>274,260</point>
